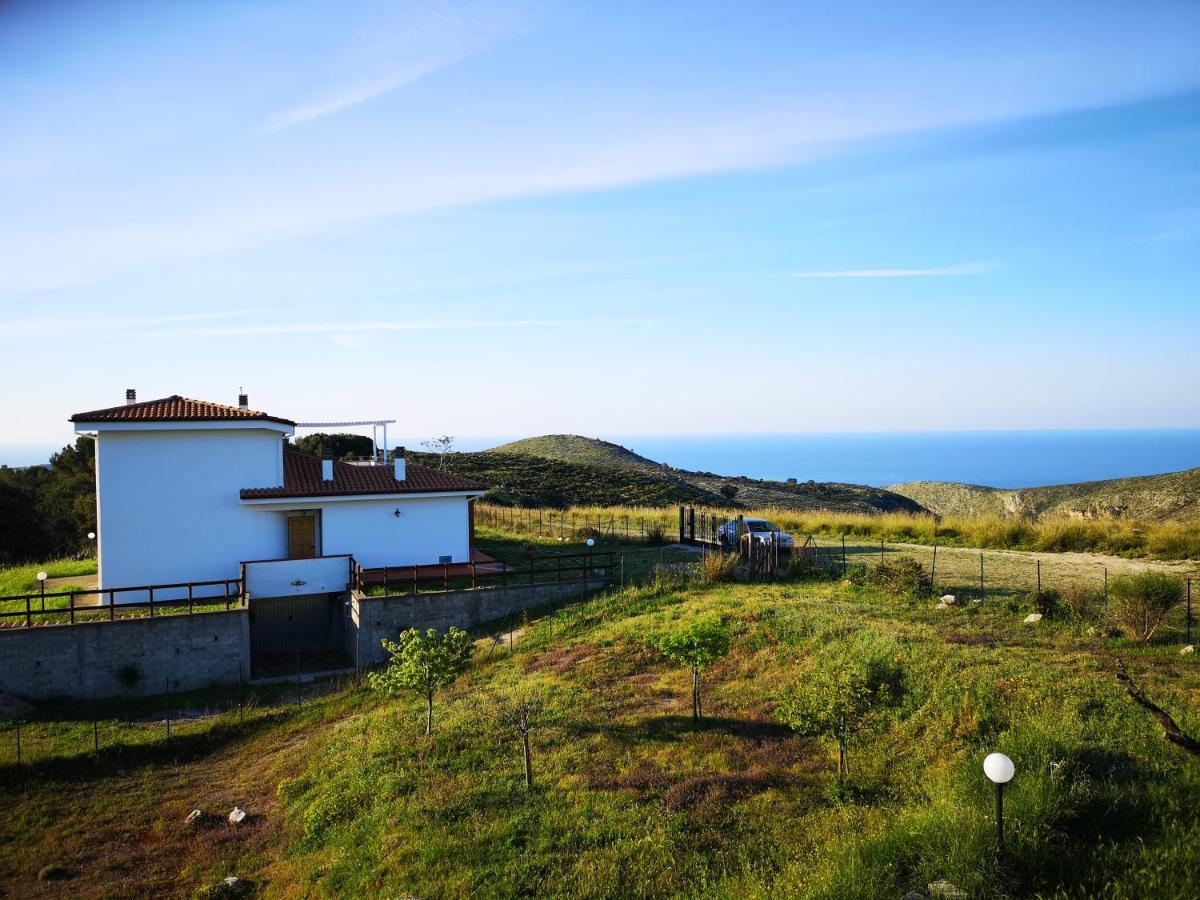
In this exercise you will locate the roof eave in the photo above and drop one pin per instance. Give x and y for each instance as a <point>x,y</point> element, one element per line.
<point>469,493</point>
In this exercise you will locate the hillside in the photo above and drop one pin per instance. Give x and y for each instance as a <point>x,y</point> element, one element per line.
<point>576,449</point>
<point>523,480</point>
<point>1174,496</point>
<point>606,459</point>
<point>346,797</point>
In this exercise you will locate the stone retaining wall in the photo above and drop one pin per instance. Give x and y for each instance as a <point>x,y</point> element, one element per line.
<point>190,652</point>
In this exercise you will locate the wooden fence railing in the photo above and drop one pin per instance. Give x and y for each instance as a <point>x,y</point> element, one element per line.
<point>33,609</point>
<point>553,569</point>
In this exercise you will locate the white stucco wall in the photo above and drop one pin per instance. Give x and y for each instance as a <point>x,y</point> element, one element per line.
<point>426,529</point>
<point>169,508</point>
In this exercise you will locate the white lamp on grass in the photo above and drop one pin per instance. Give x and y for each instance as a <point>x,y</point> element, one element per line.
<point>1000,770</point>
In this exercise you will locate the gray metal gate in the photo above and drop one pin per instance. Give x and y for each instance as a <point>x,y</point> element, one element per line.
<point>296,624</point>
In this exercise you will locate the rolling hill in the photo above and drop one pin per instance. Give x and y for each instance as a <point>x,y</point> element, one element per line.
<point>1174,496</point>
<point>568,469</point>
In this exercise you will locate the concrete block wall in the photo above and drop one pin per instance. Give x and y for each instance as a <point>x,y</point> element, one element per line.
<point>371,619</point>
<point>190,652</point>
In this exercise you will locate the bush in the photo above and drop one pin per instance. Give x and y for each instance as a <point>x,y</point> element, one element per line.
<point>656,534</point>
<point>1047,602</point>
<point>902,575</point>
<point>1081,602</point>
<point>1141,603</point>
<point>717,567</point>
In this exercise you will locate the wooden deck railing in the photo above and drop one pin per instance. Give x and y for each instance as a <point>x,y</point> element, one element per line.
<point>555,569</point>
<point>32,608</point>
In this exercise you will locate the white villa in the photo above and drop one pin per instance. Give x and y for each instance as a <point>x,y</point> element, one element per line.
<point>189,491</point>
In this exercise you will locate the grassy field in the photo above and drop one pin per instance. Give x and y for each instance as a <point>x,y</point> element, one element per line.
<point>1115,537</point>
<point>347,797</point>
<point>23,579</point>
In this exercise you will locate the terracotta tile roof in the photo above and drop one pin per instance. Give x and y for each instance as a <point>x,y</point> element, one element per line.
<point>302,478</point>
<point>175,409</point>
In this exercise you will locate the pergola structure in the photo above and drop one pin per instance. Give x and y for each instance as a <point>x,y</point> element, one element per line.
<point>375,424</point>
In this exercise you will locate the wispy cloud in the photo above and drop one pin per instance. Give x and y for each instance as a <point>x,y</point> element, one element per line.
<point>416,40</point>
<point>972,268</point>
<point>66,324</point>
<point>342,330</point>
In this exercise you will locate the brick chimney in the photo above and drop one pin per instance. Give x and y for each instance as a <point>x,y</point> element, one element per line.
<point>130,396</point>
<point>398,461</point>
<point>327,467</point>
<point>243,401</point>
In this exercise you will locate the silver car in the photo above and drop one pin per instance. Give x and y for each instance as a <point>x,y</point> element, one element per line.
<point>759,530</point>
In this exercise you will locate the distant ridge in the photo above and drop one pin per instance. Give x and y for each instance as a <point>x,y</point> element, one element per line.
<point>611,463</point>
<point>1174,496</point>
<point>576,449</point>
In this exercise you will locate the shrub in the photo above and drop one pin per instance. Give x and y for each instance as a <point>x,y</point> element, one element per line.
<point>1081,602</point>
<point>1047,602</point>
<point>656,534</point>
<point>901,575</point>
<point>858,574</point>
<point>717,567</point>
<point>847,695</point>
<point>1141,603</point>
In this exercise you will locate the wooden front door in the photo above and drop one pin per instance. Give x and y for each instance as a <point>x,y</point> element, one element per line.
<point>302,537</point>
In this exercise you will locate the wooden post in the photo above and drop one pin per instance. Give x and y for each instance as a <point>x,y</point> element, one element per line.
<point>1039,577</point>
<point>190,596</point>
<point>28,615</point>
<point>981,591</point>
<point>151,588</point>
<point>681,525</point>
<point>445,576</point>
<point>71,602</point>
<point>932,567</point>
<point>473,575</point>
<point>385,581</point>
<point>844,556</point>
<point>416,587</point>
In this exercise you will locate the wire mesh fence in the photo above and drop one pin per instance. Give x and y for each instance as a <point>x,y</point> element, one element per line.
<point>967,573</point>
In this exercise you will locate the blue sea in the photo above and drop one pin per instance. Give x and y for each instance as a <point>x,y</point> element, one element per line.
<point>1008,459</point>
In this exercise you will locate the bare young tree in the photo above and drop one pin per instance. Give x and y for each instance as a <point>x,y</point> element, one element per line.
<point>1171,730</point>
<point>441,446</point>
<point>517,717</point>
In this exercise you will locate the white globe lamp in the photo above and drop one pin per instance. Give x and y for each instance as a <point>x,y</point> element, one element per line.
<point>1000,770</point>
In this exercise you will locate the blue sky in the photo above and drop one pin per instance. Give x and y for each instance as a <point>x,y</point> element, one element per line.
<point>516,218</point>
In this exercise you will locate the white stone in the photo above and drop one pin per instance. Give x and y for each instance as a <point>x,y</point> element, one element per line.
<point>949,599</point>
<point>1033,618</point>
<point>1190,648</point>
<point>946,890</point>
<point>194,817</point>
<point>237,816</point>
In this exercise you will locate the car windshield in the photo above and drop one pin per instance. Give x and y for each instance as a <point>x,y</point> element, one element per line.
<point>761,526</point>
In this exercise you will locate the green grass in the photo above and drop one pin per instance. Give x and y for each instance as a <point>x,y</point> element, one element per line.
<point>631,800</point>
<point>23,579</point>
